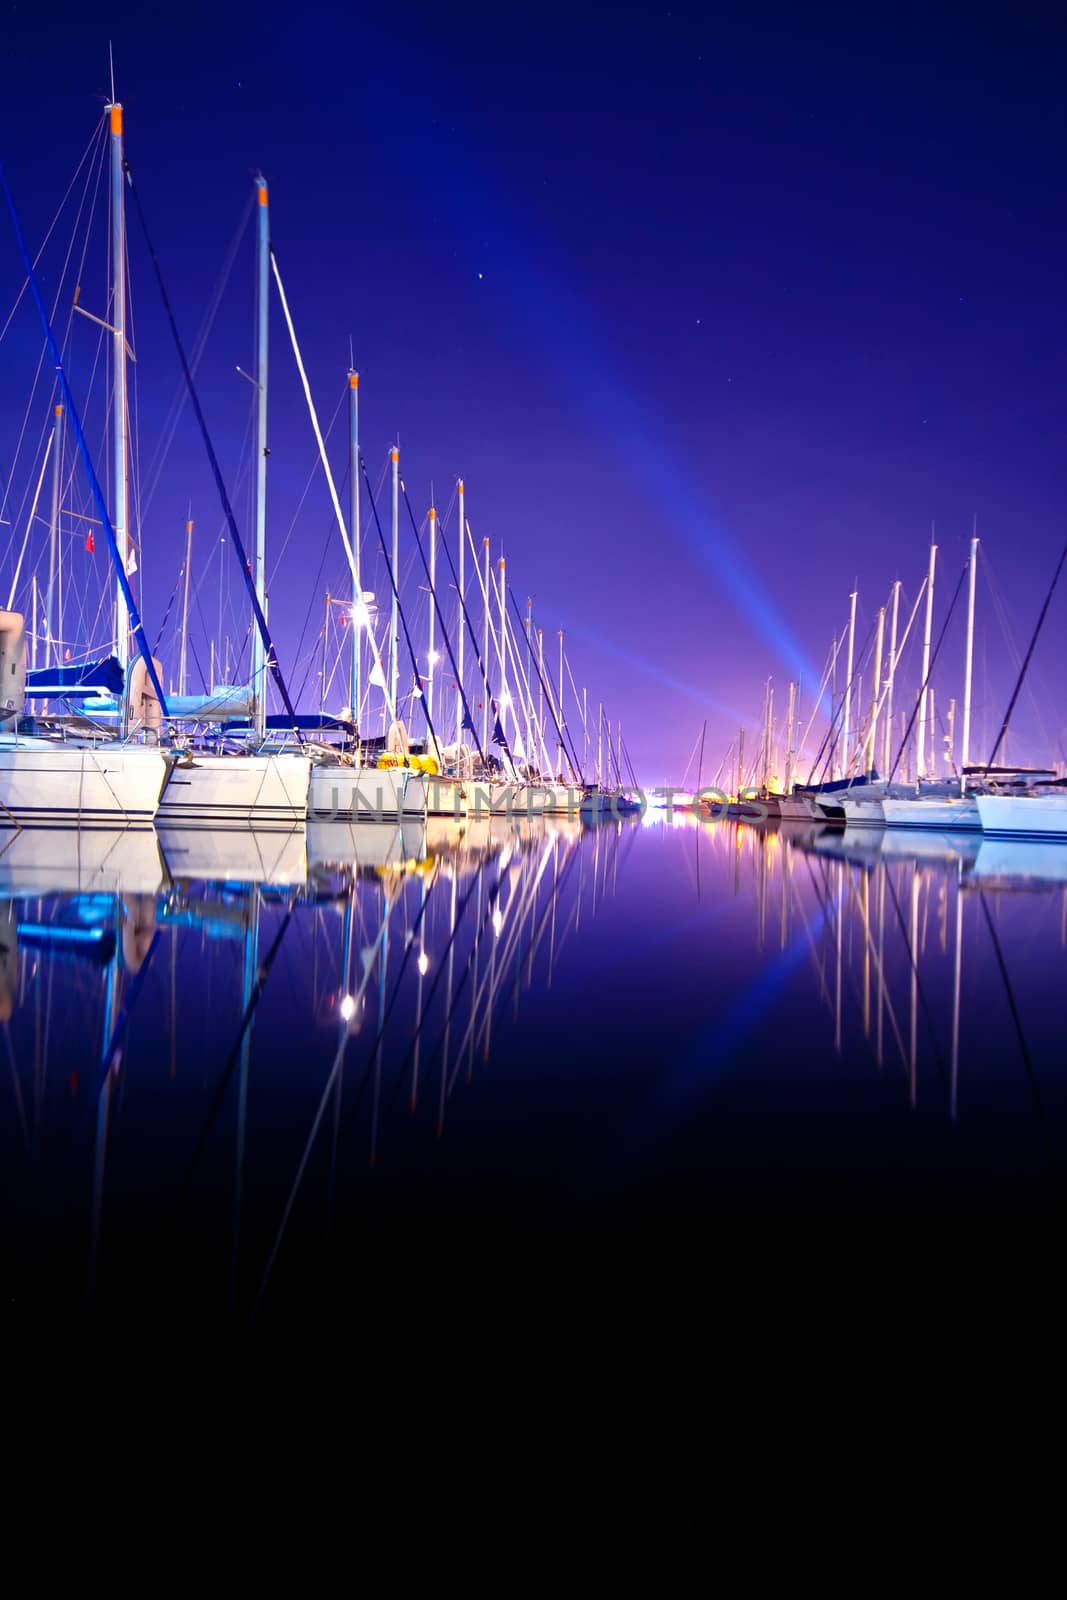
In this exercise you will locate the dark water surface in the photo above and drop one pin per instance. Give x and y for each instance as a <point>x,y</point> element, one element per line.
<point>251,1078</point>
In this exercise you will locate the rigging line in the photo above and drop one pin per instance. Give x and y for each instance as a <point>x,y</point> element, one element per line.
<point>155,467</point>
<point>565,743</point>
<point>1000,609</point>
<point>1026,661</point>
<point>482,665</point>
<point>120,571</point>
<point>96,134</point>
<point>441,620</point>
<point>307,615</point>
<point>331,486</point>
<point>929,674</point>
<point>40,360</point>
<point>239,550</point>
<point>304,493</point>
<point>31,401</point>
<point>1020,1036</point>
<point>399,609</point>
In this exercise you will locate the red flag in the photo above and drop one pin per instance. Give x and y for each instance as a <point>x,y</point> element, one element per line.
<point>90,543</point>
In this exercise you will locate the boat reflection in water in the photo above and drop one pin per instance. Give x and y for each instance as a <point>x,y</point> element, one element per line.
<point>234,1061</point>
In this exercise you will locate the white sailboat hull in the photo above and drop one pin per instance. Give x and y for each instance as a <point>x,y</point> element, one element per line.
<point>368,794</point>
<point>863,811</point>
<point>442,797</point>
<point>44,784</point>
<point>947,815</point>
<point>1030,816</point>
<point>222,791</point>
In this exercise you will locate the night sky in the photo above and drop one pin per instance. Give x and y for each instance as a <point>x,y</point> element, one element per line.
<point>714,312</point>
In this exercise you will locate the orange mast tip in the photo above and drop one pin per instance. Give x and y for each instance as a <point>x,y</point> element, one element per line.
<point>394,454</point>
<point>262,187</point>
<point>116,119</point>
<point>501,563</point>
<point>59,411</point>
<point>433,514</point>
<point>353,380</point>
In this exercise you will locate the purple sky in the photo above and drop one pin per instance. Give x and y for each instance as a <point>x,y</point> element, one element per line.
<point>713,315</point>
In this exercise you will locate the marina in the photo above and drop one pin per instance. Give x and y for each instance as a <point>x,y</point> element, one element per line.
<point>532,643</point>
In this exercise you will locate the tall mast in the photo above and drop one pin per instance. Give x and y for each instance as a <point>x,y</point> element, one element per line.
<point>432,651</point>
<point>560,745</point>
<point>968,666</point>
<point>833,705</point>
<point>920,734</point>
<point>185,608</point>
<point>356,684</point>
<point>787,787</point>
<point>462,630</point>
<point>51,648</point>
<point>118,345</point>
<point>876,690</point>
<point>485,651</point>
<point>501,565</point>
<point>394,614</point>
<point>259,660</point>
<point>892,659</point>
<point>845,730</point>
<point>541,689</point>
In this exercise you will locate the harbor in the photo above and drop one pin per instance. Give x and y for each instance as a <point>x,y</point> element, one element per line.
<point>532,641</point>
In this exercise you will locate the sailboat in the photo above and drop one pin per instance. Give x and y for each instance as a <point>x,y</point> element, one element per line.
<point>257,787</point>
<point>47,780</point>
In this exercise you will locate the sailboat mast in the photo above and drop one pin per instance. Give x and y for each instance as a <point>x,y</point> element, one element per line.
<point>394,614</point>
<point>356,683</point>
<point>845,730</point>
<point>51,647</point>
<point>432,650</point>
<point>968,667</point>
<point>879,639</point>
<point>892,674</point>
<point>259,660</point>
<point>119,421</point>
<point>462,630</point>
<point>928,629</point>
<point>541,690</point>
<point>501,567</point>
<point>787,787</point>
<point>485,650</point>
<point>559,764</point>
<point>183,658</point>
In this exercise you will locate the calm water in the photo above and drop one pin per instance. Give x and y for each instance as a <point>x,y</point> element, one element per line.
<point>244,1077</point>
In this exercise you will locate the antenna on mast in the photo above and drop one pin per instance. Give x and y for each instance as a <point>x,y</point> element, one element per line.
<point>111,66</point>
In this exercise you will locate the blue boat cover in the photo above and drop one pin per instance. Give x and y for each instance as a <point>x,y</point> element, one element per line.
<point>88,677</point>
